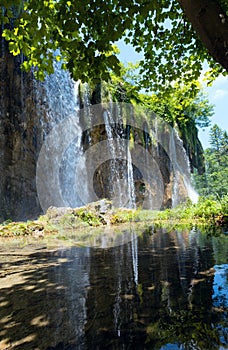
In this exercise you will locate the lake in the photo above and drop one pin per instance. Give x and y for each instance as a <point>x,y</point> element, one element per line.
<point>139,288</point>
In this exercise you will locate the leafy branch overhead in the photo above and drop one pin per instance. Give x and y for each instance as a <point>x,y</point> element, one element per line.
<point>85,31</point>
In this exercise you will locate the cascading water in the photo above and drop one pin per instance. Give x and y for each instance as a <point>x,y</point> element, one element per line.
<point>147,141</point>
<point>175,172</point>
<point>121,181</point>
<point>181,169</point>
<point>94,160</point>
<point>193,195</point>
<point>73,164</point>
<point>115,184</point>
<point>130,181</point>
<point>61,158</point>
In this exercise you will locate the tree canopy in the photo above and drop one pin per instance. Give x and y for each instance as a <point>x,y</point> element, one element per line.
<point>85,31</point>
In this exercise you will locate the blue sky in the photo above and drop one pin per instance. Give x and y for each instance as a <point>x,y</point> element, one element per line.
<point>217,94</point>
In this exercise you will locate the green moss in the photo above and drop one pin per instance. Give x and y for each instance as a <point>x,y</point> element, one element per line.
<point>122,215</point>
<point>68,220</point>
<point>21,228</point>
<point>89,217</point>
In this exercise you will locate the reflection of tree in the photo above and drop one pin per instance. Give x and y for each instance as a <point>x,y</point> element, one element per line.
<point>172,302</point>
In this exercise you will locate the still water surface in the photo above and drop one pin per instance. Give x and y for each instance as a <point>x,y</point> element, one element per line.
<point>157,290</point>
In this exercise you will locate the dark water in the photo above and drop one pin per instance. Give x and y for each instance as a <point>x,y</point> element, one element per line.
<point>160,290</point>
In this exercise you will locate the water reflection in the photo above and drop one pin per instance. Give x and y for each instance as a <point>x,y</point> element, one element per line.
<point>160,290</point>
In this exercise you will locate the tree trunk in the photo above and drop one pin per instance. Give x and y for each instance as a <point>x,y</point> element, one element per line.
<point>211,24</point>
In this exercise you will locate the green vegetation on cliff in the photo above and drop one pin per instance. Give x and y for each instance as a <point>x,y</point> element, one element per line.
<point>184,110</point>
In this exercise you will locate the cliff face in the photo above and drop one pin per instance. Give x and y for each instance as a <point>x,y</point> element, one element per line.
<point>159,162</point>
<point>30,109</point>
<point>20,139</point>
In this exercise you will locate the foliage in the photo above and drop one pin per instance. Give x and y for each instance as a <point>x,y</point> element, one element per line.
<point>88,217</point>
<point>224,204</point>
<point>182,105</point>
<point>94,218</point>
<point>215,180</point>
<point>177,108</point>
<point>206,210</point>
<point>9,229</point>
<point>182,109</point>
<point>122,215</point>
<point>85,31</point>
<point>219,142</point>
<point>77,219</point>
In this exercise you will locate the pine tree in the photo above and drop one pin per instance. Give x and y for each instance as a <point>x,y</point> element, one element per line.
<point>215,180</point>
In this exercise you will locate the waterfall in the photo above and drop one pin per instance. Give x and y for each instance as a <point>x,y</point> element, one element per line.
<point>186,171</point>
<point>115,183</point>
<point>73,164</point>
<point>181,170</point>
<point>175,172</point>
<point>130,181</point>
<point>45,136</point>
<point>66,168</point>
<point>87,153</point>
<point>61,161</point>
<point>121,181</point>
<point>193,195</point>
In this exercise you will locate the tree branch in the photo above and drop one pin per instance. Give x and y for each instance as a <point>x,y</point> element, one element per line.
<point>211,24</point>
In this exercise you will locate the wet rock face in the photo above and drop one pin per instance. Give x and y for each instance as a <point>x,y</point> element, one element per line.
<point>20,140</point>
<point>29,110</point>
<point>26,116</point>
<point>117,170</point>
<point>109,172</point>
